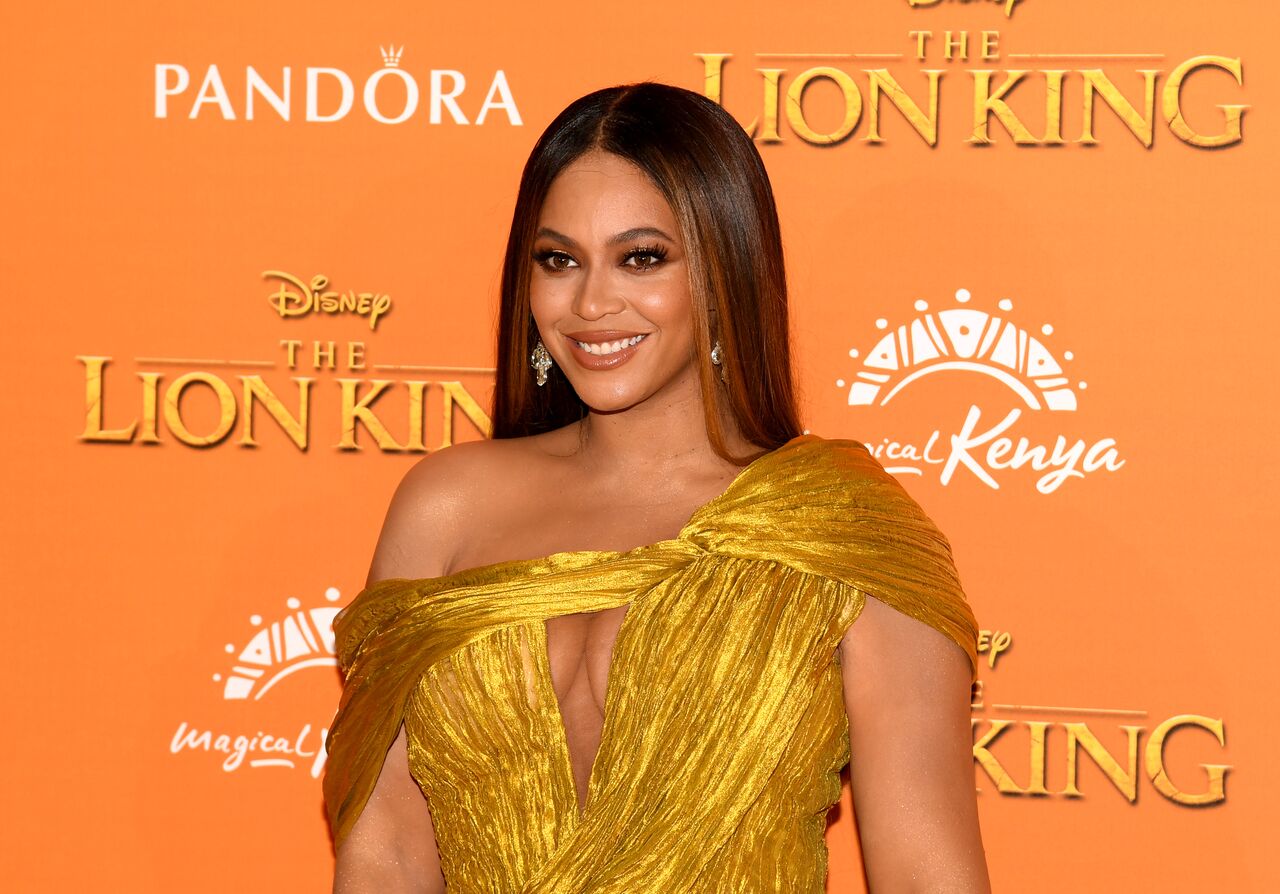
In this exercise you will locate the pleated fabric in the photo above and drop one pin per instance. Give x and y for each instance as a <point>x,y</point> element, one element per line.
<point>724,731</point>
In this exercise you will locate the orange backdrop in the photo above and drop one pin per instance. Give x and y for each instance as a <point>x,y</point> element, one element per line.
<point>1052,319</point>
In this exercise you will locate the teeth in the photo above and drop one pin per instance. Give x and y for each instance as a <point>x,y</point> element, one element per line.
<point>609,347</point>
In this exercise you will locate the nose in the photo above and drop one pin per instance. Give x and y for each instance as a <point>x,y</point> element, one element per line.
<point>596,296</point>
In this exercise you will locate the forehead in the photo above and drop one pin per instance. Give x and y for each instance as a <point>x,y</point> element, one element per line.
<point>601,193</point>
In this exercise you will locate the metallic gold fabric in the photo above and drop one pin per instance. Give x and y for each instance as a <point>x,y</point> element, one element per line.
<point>724,730</point>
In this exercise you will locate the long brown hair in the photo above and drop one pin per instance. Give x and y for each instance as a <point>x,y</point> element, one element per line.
<point>713,178</point>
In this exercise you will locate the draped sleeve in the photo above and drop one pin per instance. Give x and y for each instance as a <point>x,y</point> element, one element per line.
<point>838,513</point>
<point>372,705</point>
<point>901,558</point>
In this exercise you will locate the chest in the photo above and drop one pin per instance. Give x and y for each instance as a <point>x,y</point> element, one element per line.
<point>579,650</point>
<point>579,655</point>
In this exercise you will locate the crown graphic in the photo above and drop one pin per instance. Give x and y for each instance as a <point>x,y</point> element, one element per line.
<point>391,56</point>
<point>969,339</point>
<point>302,638</point>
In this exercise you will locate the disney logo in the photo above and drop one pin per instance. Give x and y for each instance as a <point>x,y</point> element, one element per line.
<point>1009,5</point>
<point>296,298</point>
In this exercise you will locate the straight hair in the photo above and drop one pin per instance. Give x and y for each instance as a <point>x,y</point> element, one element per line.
<point>712,176</point>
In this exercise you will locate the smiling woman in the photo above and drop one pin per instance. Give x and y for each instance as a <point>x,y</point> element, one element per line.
<point>647,211</point>
<point>628,644</point>
<point>637,275</point>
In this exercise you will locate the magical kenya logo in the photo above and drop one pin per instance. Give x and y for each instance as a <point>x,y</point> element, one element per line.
<point>966,338</point>
<point>302,638</point>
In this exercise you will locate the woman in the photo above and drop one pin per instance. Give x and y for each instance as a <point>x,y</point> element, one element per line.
<point>613,649</point>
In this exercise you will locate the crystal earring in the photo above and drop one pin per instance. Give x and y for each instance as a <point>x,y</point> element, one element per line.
<point>540,359</point>
<point>717,357</point>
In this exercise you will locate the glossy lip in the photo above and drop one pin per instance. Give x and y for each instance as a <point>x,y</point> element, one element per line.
<point>599,335</point>
<point>587,360</point>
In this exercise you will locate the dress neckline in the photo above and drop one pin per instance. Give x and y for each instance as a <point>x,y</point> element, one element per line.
<point>479,571</point>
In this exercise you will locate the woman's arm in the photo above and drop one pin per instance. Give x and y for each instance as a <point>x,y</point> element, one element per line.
<point>391,848</point>
<point>906,691</point>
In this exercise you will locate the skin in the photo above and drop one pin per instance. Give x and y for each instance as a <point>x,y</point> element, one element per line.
<point>633,473</point>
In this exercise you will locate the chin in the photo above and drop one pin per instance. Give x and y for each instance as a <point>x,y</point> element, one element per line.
<point>620,396</point>
<point>611,403</point>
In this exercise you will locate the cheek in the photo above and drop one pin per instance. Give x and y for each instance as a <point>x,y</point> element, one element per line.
<point>667,305</point>
<point>547,297</point>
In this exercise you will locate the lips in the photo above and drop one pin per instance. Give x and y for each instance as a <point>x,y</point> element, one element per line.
<point>602,335</point>
<point>590,361</point>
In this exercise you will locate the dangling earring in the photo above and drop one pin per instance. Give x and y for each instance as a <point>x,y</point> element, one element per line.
<point>717,356</point>
<point>540,359</point>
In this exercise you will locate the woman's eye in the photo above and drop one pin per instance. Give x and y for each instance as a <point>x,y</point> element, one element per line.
<point>644,258</point>
<point>637,259</point>
<point>552,260</point>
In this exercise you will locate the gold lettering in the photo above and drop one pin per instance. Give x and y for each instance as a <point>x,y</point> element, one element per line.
<point>795,109</point>
<point>922,40</point>
<point>355,355</point>
<point>982,754</point>
<point>882,81</point>
<point>985,103</point>
<point>296,428</point>
<point>1172,103</point>
<point>1126,782</point>
<point>173,409</point>
<point>712,68</point>
<point>359,398</point>
<point>322,355</point>
<point>454,393</point>
<point>1039,728</point>
<point>358,411</point>
<point>990,46</point>
<point>769,131</point>
<point>150,387</point>
<point>291,346</point>
<point>1053,107</point>
<point>416,433</point>
<point>295,298</point>
<point>1140,125</point>
<point>93,430</point>
<point>713,87</point>
<point>1008,5</point>
<point>1160,777</point>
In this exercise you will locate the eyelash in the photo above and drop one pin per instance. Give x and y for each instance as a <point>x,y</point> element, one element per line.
<point>656,251</point>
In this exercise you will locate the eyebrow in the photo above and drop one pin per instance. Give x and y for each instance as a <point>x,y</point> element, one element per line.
<point>624,236</point>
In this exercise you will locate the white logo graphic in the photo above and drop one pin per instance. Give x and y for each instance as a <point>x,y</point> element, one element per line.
<point>964,338</point>
<point>300,639</point>
<point>391,57</point>
<point>444,88</point>
<point>977,341</point>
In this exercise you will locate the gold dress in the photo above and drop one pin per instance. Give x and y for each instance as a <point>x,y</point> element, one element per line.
<point>725,729</point>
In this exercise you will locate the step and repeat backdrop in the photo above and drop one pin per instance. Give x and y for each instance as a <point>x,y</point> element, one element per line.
<point>251,256</point>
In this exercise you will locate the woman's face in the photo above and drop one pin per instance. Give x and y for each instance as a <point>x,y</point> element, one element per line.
<point>608,266</point>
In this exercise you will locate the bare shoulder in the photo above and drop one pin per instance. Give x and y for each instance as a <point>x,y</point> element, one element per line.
<point>426,516</point>
<point>445,495</point>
